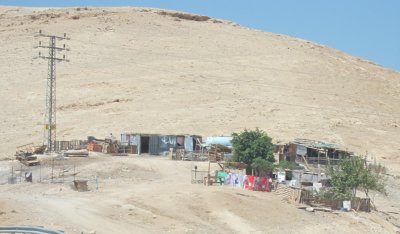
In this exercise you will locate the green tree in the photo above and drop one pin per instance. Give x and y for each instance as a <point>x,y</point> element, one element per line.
<point>251,144</point>
<point>352,174</point>
<point>284,164</point>
<point>262,167</point>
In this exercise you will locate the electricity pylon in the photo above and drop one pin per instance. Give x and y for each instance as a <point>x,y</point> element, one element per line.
<point>49,137</point>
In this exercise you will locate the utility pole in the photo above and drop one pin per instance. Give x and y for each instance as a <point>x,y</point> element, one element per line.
<point>49,137</point>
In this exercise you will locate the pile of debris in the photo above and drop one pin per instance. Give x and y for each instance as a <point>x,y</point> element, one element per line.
<point>26,154</point>
<point>108,145</point>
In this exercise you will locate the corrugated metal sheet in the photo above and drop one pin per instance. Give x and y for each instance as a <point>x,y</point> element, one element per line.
<point>153,145</point>
<point>166,142</point>
<point>188,143</point>
<point>158,144</point>
<point>124,139</point>
<point>129,139</point>
<point>301,150</point>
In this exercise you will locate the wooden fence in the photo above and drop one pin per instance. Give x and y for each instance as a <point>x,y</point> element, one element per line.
<point>70,145</point>
<point>358,204</point>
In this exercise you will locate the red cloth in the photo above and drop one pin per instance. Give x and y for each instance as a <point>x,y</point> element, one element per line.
<point>257,183</point>
<point>249,182</point>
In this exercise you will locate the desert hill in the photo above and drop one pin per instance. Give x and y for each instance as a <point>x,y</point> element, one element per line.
<point>156,71</point>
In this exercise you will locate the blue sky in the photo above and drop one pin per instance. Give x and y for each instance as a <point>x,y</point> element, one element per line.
<point>366,28</point>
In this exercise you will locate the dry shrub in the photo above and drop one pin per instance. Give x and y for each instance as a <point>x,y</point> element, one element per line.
<point>190,17</point>
<point>47,15</point>
<point>185,16</point>
<point>34,17</point>
<point>216,21</point>
<point>75,17</point>
<point>81,8</point>
<point>55,16</point>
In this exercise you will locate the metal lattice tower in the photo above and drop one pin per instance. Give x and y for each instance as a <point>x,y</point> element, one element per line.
<point>50,114</point>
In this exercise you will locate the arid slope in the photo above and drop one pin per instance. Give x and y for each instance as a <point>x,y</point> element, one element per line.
<point>144,70</point>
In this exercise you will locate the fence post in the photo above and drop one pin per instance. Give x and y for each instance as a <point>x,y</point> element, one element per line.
<point>52,168</point>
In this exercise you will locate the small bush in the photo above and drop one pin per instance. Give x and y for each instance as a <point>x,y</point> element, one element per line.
<point>34,17</point>
<point>216,21</point>
<point>185,16</point>
<point>75,17</point>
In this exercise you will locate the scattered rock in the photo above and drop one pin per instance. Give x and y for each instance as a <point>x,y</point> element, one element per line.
<point>310,209</point>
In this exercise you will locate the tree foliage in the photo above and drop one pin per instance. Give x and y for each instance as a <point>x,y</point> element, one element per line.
<point>262,167</point>
<point>354,174</point>
<point>284,164</point>
<point>252,144</point>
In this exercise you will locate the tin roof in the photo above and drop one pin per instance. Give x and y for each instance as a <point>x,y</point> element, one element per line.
<point>315,144</point>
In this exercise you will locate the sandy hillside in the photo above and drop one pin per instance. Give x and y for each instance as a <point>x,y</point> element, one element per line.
<point>173,75</point>
<point>147,70</point>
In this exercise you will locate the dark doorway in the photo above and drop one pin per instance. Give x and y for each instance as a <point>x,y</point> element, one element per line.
<point>194,144</point>
<point>144,144</point>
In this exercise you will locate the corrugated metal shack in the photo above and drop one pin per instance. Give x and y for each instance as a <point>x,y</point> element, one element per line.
<point>315,152</point>
<point>158,144</point>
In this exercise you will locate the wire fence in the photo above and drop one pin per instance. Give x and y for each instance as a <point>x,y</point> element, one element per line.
<point>52,171</point>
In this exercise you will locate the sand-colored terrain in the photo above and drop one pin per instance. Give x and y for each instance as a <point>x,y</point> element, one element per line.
<point>154,195</point>
<point>174,75</point>
<point>142,70</point>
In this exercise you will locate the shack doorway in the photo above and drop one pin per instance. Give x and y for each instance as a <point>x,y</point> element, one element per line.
<point>144,144</point>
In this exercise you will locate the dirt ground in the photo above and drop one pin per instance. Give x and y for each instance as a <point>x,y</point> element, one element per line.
<point>142,194</point>
<point>142,70</point>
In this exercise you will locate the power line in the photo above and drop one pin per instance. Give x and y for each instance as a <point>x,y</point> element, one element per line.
<point>49,137</point>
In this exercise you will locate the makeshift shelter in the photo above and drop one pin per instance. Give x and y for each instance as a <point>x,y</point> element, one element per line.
<point>158,144</point>
<point>310,151</point>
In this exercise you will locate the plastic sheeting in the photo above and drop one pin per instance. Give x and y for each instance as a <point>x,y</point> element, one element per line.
<point>222,140</point>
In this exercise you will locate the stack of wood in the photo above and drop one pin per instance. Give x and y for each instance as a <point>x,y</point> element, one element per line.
<point>179,154</point>
<point>216,153</point>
